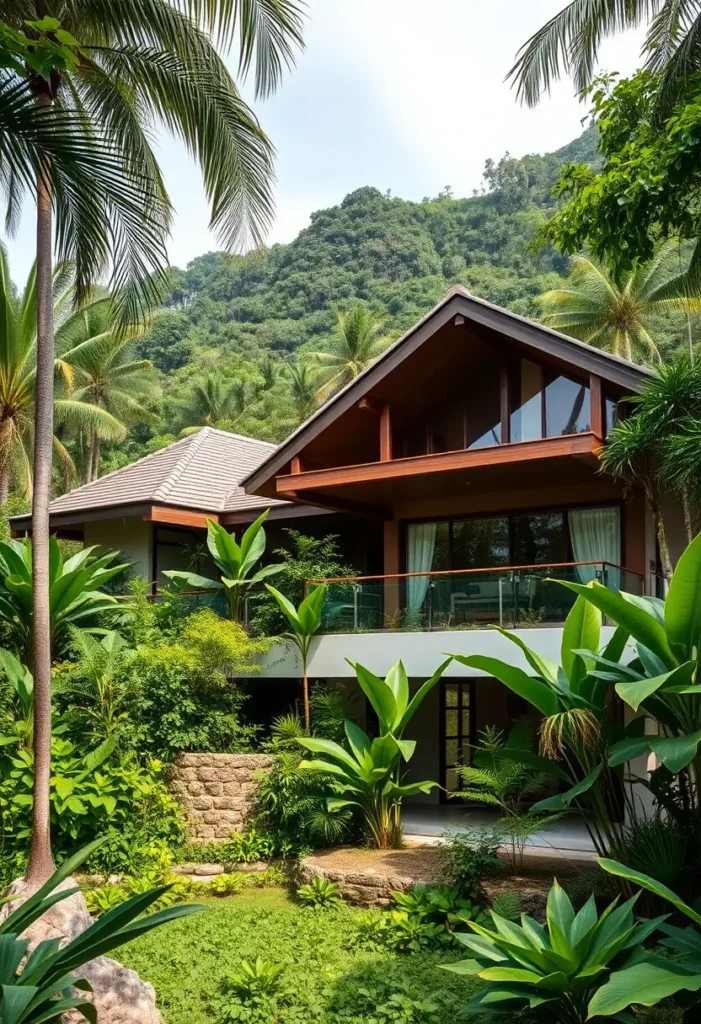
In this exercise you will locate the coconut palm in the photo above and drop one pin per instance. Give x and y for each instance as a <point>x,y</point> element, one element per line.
<point>137,64</point>
<point>211,400</point>
<point>618,316</point>
<point>18,337</point>
<point>357,343</point>
<point>302,387</point>
<point>98,358</point>
<point>570,42</point>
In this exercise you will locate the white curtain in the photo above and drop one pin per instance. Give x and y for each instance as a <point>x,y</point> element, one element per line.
<point>596,537</point>
<point>421,541</point>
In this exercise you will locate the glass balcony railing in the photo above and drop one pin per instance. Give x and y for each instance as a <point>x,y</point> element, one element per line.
<point>513,597</point>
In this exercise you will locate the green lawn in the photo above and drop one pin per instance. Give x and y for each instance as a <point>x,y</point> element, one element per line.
<point>326,979</point>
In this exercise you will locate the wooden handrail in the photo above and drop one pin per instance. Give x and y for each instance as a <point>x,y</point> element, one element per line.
<point>465,572</point>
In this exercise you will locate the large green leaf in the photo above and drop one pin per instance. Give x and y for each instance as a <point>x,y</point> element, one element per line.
<point>561,801</point>
<point>309,612</point>
<point>379,695</point>
<point>532,690</point>
<point>398,682</point>
<point>253,543</point>
<point>651,884</point>
<point>419,696</point>
<point>541,665</point>
<point>287,608</point>
<point>582,630</point>
<point>331,749</point>
<point>644,984</point>
<point>676,752</point>
<point>627,749</point>
<point>630,614</point>
<point>191,580</point>
<point>636,692</point>
<point>682,612</point>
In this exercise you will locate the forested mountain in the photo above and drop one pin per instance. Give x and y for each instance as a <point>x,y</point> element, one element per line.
<point>233,326</point>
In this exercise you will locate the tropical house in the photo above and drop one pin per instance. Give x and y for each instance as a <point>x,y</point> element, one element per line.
<point>474,443</point>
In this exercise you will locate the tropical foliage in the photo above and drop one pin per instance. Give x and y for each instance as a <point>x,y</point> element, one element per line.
<point>559,972</point>
<point>619,316</point>
<point>368,772</point>
<point>75,594</point>
<point>50,983</point>
<point>235,563</point>
<point>304,622</point>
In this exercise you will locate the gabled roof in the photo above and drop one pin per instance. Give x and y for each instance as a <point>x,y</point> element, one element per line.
<point>479,312</point>
<point>202,472</point>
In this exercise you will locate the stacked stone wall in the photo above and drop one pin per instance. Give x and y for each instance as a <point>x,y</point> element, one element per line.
<point>217,791</point>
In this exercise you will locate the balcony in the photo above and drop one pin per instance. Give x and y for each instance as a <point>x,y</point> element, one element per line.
<point>513,597</point>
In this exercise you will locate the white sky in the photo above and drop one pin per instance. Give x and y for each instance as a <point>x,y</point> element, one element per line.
<point>400,94</point>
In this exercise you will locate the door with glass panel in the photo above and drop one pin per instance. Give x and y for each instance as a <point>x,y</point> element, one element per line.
<point>457,731</point>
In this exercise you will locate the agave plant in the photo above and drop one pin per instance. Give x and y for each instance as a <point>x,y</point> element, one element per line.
<point>577,728</point>
<point>74,588</point>
<point>554,972</point>
<point>661,682</point>
<point>234,561</point>
<point>49,984</point>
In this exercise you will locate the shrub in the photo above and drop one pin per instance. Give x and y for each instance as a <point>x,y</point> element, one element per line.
<point>250,994</point>
<point>291,805</point>
<point>440,905</point>
<point>181,698</point>
<point>319,894</point>
<point>95,794</point>
<point>470,857</point>
<point>310,558</point>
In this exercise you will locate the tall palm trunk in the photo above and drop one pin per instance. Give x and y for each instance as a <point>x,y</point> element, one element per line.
<point>41,863</point>
<point>94,462</point>
<point>654,503</point>
<point>4,483</point>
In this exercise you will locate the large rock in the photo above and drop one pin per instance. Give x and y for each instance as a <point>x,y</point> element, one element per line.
<point>119,995</point>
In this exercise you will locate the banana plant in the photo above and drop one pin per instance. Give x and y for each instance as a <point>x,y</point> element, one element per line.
<point>368,773</point>
<point>390,698</point>
<point>662,681</point>
<point>74,588</point>
<point>657,977</point>
<point>555,972</point>
<point>235,563</point>
<point>304,622</point>
<point>577,727</point>
<point>49,982</point>
<point>365,778</point>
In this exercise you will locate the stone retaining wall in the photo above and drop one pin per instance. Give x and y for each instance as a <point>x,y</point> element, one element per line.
<point>217,791</point>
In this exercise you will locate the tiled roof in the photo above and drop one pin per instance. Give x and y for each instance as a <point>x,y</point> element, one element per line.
<point>201,472</point>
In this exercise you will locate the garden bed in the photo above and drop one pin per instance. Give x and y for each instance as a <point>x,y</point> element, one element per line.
<point>367,878</point>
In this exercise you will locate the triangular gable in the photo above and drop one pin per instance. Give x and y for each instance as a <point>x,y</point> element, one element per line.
<point>458,302</point>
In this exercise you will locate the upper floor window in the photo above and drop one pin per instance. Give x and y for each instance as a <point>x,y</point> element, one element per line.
<point>546,404</point>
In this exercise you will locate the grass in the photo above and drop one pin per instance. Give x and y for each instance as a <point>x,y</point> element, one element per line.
<point>326,978</point>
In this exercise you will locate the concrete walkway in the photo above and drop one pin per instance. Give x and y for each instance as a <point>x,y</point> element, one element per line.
<point>565,840</point>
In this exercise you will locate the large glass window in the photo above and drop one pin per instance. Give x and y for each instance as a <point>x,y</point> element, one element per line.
<point>567,407</point>
<point>480,543</point>
<point>527,403</point>
<point>538,539</point>
<point>483,414</point>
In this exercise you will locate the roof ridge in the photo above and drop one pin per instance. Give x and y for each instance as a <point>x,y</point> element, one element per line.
<point>163,490</point>
<point>240,437</point>
<point>129,465</point>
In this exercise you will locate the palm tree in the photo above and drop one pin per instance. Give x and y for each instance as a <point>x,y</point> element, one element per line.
<point>210,400</point>
<point>18,340</point>
<point>138,64</point>
<point>98,358</point>
<point>570,42</point>
<point>631,455</point>
<point>617,316</point>
<point>302,384</point>
<point>357,343</point>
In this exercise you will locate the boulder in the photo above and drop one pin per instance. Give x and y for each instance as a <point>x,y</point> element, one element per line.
<point>119,995</point>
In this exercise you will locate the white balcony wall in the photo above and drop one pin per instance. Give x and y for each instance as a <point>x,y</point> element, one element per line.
<point>421,653</point>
